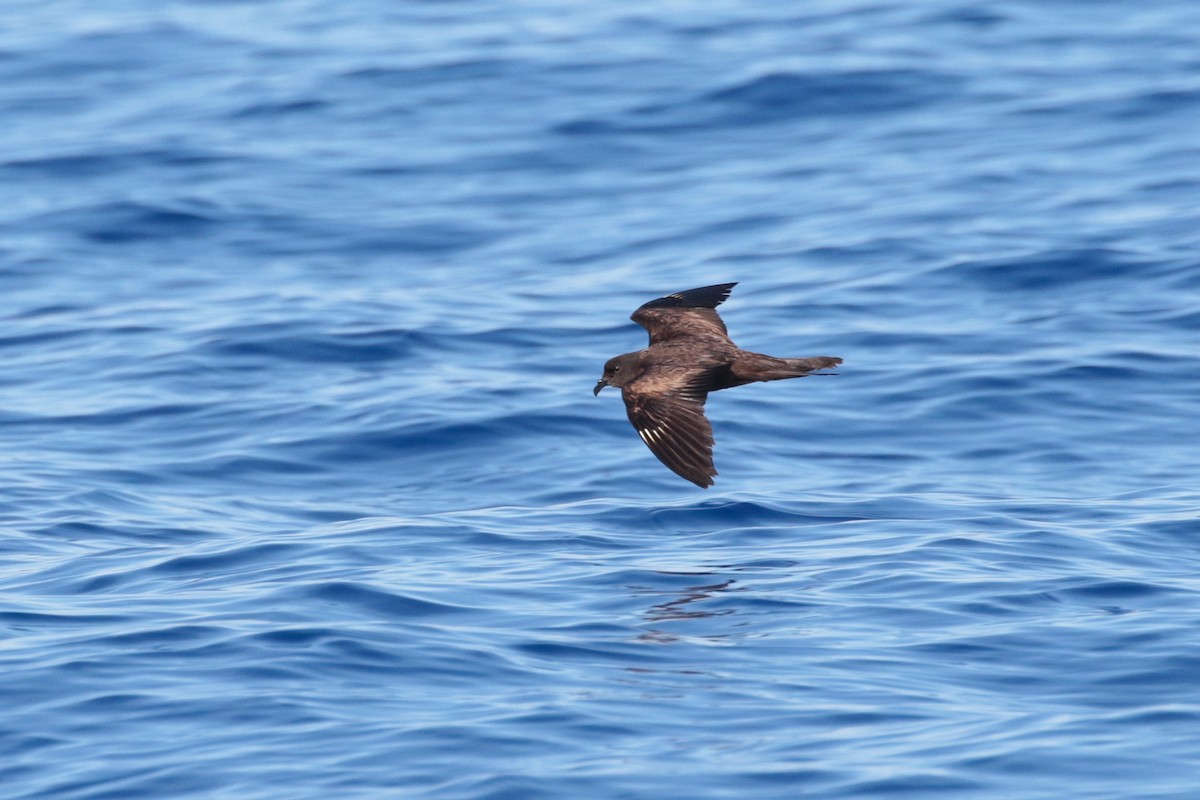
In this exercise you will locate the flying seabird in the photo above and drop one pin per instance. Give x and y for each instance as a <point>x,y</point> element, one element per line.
<point>690,354</point>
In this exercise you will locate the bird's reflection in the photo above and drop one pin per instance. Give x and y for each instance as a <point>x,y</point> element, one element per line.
<point>678,608</point>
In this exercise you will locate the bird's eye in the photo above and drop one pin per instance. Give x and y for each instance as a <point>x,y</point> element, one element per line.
<point>617,368</point>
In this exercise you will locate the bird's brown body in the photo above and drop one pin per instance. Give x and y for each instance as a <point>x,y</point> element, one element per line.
<point>690,354</point>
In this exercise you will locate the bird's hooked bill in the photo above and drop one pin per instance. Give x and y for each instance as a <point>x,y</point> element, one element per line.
<point>600,384</point>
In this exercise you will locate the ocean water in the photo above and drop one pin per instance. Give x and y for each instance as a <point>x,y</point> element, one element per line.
<point>304,492</point>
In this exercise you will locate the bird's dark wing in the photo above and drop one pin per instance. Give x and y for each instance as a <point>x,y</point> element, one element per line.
<point>690,313</point>
<point>666,407</point>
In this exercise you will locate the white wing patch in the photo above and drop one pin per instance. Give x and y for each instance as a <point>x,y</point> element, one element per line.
<point>652,435</point>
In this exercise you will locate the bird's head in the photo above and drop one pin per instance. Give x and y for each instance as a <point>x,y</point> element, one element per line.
<point>619,371</point>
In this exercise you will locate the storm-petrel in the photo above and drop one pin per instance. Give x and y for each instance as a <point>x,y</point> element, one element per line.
<point>690,355</point>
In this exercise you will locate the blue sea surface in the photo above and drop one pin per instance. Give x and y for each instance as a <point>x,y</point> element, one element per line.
<point>304,492</point>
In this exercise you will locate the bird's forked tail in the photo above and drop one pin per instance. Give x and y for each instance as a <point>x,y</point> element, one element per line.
<point>803,366</point>
<point>752,367</point>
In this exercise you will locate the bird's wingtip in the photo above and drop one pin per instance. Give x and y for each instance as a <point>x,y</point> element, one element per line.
<point>701,297</point>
